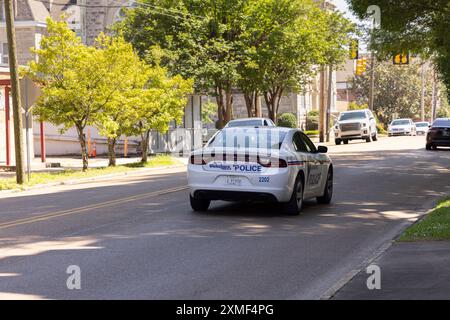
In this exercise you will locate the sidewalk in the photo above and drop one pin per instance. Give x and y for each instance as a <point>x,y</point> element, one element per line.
<point>74,163</point>
<point>409,270</point>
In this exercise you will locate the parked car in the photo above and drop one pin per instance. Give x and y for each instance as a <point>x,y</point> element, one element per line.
<point>422,127</point>
<point>355,125</point>
<point>250,122</point>
<point>439,134</point>
<point>402,127</point>
<point>270,164</point>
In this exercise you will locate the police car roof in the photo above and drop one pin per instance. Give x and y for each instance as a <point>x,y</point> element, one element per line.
<point>262,128</point>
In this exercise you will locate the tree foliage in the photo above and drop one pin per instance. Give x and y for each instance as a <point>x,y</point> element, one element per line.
<point>262,47</point>
<point>287,120</point>
<point>398,90</point>
<point>420,26</point>
<point>107,86</point>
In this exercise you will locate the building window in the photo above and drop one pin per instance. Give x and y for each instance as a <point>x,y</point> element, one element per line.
<point>4,54</point>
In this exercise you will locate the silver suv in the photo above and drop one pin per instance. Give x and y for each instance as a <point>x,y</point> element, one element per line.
<point>355,125</point>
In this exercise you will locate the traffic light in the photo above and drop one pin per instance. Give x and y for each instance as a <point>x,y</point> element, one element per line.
<point>354,49</point>
<point>401,59</point>
<point>361,66</point>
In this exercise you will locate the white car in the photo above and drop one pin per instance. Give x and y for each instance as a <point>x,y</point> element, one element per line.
<point>402,127</point>
<point>263,164</point>
<point>355,125</point>
<point>250,122</point>
<point>422,127</point>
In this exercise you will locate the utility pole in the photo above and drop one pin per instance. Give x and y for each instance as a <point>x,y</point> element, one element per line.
<point>372,81</point>
<point>15,91</point>
<point>322,105</point>
<point>433,98</point>
<point>422,97</point>
<point>329,98</point>
<point>375,13</point>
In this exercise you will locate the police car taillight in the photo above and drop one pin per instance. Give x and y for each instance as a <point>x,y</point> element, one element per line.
<point>271,162</point>
<point>197,159</point>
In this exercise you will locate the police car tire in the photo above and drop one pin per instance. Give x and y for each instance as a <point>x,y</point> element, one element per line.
<point>291,208</point>
<point>199,204</point>
<point>338,141</point>
<point>327,195</point>
<point>345,141</point>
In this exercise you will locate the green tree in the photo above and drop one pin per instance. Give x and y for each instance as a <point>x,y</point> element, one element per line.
<point>162,101</point>
<point>284,43</point>
<point>397,90</point>
<point>418,26</point>
<point>72,89</point>
<point>128,76</point>
<point>208,110</point>
<point>199,39</point>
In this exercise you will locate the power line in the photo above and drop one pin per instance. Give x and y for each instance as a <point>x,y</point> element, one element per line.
<point>168,9</point>
<point>81,5</point>
<point>162,10</point>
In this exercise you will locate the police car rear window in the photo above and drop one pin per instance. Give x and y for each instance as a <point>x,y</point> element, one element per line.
<point>248,138</point>
<point>245,123</point>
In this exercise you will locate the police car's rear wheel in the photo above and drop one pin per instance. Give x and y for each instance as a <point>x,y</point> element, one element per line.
<point>199,204</point>
<point>328,191</point>
<point>295,204</point>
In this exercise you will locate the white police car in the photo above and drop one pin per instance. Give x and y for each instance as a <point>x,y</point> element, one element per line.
<point>264,164</point>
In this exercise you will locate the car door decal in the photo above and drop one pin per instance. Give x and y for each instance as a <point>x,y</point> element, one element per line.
<point>315,173</point>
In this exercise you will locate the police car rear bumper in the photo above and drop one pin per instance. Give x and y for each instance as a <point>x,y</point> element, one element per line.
<point>234,195</point>
<point>213,185</point>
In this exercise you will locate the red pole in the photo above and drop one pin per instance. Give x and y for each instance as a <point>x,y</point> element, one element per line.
<point>7,126</point>
<point>43,152</point>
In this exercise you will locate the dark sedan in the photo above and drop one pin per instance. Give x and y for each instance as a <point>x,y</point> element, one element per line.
<point>439,134</point>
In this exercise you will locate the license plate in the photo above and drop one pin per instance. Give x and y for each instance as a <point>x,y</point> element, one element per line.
<point>234,181</point>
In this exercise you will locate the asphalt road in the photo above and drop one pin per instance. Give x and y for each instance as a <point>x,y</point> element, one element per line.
<point>136,237</point>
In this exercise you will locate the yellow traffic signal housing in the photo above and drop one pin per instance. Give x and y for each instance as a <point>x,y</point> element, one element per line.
<point>354,49</point>
<point>361,66</point>
<point>401,59</point>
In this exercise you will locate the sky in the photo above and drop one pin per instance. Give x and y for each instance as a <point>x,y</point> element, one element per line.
<point>343,7</point>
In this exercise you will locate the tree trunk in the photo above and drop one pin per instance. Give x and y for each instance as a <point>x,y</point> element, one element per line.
<point>112,152</point>
<point>276,107</point>
<point>271,99</point>
<point>250,103</point>
<point>228,106</point>
<point>258,112</point>
<point>83,145</point>
<point>144,145</point>
<point>220,111</point>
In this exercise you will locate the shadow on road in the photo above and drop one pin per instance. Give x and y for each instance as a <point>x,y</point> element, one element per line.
<point>376,195</point>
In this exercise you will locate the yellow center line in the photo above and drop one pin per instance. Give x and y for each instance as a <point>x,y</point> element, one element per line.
<point>67,212</point>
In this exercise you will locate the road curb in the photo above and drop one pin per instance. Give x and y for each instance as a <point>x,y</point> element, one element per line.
<point>90,179</point>
<point>331,292</point>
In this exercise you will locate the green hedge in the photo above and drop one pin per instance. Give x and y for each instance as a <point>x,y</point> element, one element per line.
<point>287,120</point>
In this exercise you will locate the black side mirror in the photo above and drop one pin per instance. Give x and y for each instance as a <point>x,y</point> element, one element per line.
<point>322,149</point>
